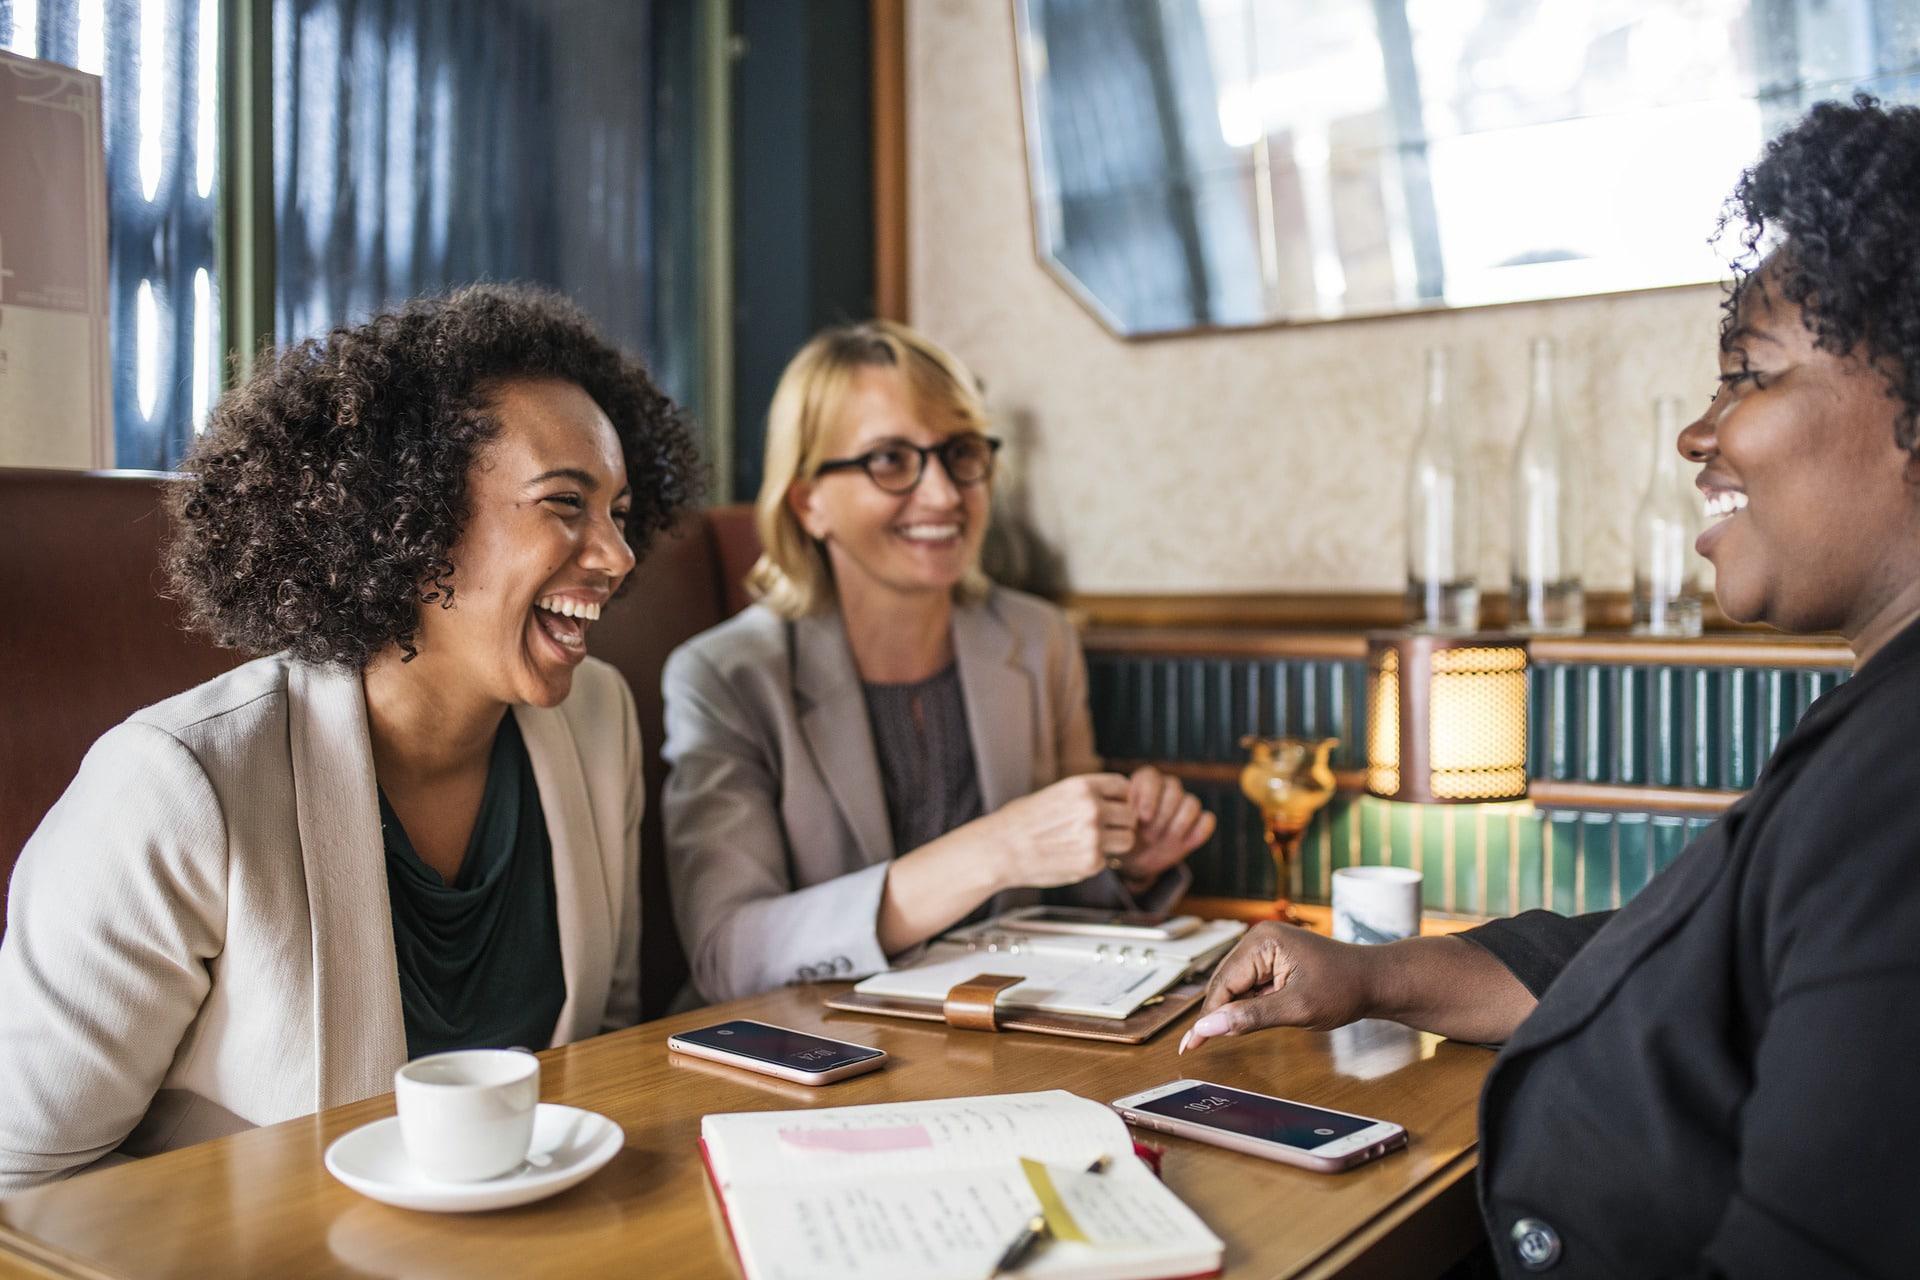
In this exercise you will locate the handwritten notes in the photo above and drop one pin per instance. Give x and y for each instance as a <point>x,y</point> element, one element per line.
<point>936,1189</point>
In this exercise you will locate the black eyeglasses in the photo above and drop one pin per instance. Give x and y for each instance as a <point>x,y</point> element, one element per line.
<point>897,466</point>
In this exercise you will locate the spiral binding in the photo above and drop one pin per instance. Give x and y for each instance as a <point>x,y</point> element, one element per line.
<point>1014,944</point>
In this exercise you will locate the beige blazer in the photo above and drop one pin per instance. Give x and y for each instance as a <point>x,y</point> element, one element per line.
<point>198,934</point>
<point>778,841</point>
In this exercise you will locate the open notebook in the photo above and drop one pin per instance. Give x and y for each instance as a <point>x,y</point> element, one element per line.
<point>938,1189</point>
<point>1083,976</point>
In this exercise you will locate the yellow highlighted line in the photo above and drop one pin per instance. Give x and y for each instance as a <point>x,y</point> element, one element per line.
<point>1060,1223</point>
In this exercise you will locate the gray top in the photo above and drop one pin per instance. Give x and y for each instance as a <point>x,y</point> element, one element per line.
<point>926,757</point>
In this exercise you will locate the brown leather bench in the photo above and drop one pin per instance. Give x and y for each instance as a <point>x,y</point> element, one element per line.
<point>86,639</point>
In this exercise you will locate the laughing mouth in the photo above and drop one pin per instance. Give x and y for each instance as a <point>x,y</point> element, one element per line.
<point>565,620</point>
<point>1721,503</point>
<point>930,532</point>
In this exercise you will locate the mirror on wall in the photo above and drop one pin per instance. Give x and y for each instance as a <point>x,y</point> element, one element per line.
<point>1220,163</point>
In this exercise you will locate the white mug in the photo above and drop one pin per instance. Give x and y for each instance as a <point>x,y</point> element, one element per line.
<point>1376,904</point>
<point>467,1116</point>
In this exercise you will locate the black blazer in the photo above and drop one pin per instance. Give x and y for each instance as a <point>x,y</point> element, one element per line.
<point>1723,1077</point>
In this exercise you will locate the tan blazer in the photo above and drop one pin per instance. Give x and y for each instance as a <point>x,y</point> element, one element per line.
<point>198,934</point>
<point>778,841</point>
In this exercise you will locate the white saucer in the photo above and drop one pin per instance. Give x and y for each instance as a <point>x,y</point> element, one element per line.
<point>569,1146</point>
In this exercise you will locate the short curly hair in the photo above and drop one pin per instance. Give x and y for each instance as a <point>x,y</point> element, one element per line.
<point>1831,211</point>
<point>317,513</point>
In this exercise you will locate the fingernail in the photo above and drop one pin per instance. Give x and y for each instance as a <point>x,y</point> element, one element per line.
<point>1183,1043</point>
<point>1214,1024</point>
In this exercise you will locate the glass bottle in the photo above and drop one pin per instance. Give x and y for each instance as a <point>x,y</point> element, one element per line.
<point>1544,593</point>
<point>1666,571</point>
<point>1443,549</point>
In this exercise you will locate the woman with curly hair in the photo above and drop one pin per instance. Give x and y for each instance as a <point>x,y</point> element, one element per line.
<point>1717,1079</point>
<point>413,826</point>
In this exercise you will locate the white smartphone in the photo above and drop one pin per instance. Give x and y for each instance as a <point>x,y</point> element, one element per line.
<point>1099,922</point>
<point>1262,1125</point>
<point>779,1051</point>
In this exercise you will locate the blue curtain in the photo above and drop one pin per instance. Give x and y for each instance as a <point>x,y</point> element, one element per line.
<point>420,145</point>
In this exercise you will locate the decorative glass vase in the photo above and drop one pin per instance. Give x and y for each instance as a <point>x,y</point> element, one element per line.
<point>1666,569</point>
<point>1545,595</point>
<point>1289,780</point>
<point>1443,546</point>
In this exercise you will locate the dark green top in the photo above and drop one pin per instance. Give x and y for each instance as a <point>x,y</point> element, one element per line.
<point>480,958</point>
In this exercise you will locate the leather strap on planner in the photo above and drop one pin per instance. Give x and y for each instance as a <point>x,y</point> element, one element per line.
<point>970,1006</point>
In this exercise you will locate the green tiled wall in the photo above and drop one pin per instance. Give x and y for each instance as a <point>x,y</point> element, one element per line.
<point>1710,727</point>
<point>1476,859</point>
<point>1198,708</point>
<point>1695,727</point>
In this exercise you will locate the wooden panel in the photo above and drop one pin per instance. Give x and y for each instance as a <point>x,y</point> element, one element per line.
<point>1324,610</point>
<point>1796,652</point>
<point>1607,611</point>
<point>889,26</point>
<point>1558,795</point>
<point>1599,795</point>
<point>261,1203</point>
<point>1215,643</point>
<point>1146,639</point>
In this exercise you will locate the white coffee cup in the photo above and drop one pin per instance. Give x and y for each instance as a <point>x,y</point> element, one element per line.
<point>468,1115</point>
<point>1376,904</point>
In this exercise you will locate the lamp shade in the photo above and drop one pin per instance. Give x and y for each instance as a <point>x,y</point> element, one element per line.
<point>1446,717</point>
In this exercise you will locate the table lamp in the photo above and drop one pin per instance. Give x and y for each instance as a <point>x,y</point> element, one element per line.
<point>1446,718</point>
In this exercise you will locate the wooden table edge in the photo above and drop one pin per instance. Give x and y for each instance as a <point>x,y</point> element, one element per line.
<point>1379,1249</point>
<point>24,1255</point>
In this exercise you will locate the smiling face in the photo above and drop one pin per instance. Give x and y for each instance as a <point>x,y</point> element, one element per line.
<point>918,543</point>
<point>1813,518</point>
<point>542,552</point>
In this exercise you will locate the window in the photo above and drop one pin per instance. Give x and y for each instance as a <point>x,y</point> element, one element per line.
<point>158,61</point>
<point>420,145</point>
<point>415,146</point>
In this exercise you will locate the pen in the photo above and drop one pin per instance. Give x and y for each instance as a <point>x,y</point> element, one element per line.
<point>1016,1252</point>
<point>1035,1229</point>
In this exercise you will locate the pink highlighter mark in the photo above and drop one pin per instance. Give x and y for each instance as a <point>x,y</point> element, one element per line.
<point>905,1137</point>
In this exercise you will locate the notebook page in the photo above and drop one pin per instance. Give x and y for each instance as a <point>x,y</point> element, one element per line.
<point>954,1225</point>
<point>1052,983</point>
<point>790,1149</point>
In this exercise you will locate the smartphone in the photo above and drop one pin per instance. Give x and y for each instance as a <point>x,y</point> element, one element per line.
<point>1098,922</point>
<point>1262,1125</point>
<point>778,1051</point>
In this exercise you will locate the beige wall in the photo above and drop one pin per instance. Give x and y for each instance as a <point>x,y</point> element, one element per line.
<point>1264,461</point>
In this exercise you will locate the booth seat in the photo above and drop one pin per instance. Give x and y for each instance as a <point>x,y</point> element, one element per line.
<point>87,638</point>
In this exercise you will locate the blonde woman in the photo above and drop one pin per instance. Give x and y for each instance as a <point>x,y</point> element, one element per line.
<point>886,743</point>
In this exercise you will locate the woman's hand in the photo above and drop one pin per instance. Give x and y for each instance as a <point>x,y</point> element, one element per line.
<point>1284,976</point>
<point>1281,975</point>
<point>1064,833</point>
<point>1171,825</point>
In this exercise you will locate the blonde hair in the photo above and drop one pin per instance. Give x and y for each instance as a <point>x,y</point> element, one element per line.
<point>793,576</point>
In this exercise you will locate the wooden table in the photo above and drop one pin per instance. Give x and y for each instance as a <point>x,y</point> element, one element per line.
<point>261,1204</point>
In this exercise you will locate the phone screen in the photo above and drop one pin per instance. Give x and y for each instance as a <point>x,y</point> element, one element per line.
<point>779,1046</point>
<point>1255,1115</point>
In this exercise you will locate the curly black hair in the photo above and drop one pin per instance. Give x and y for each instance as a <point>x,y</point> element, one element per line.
<point>1832,211</point>
<point>317,513</point>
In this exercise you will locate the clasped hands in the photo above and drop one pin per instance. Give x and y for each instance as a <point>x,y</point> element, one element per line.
<point>1080,826</point>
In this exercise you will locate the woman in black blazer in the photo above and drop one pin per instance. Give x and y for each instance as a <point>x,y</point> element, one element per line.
<point>1723,1077</point>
